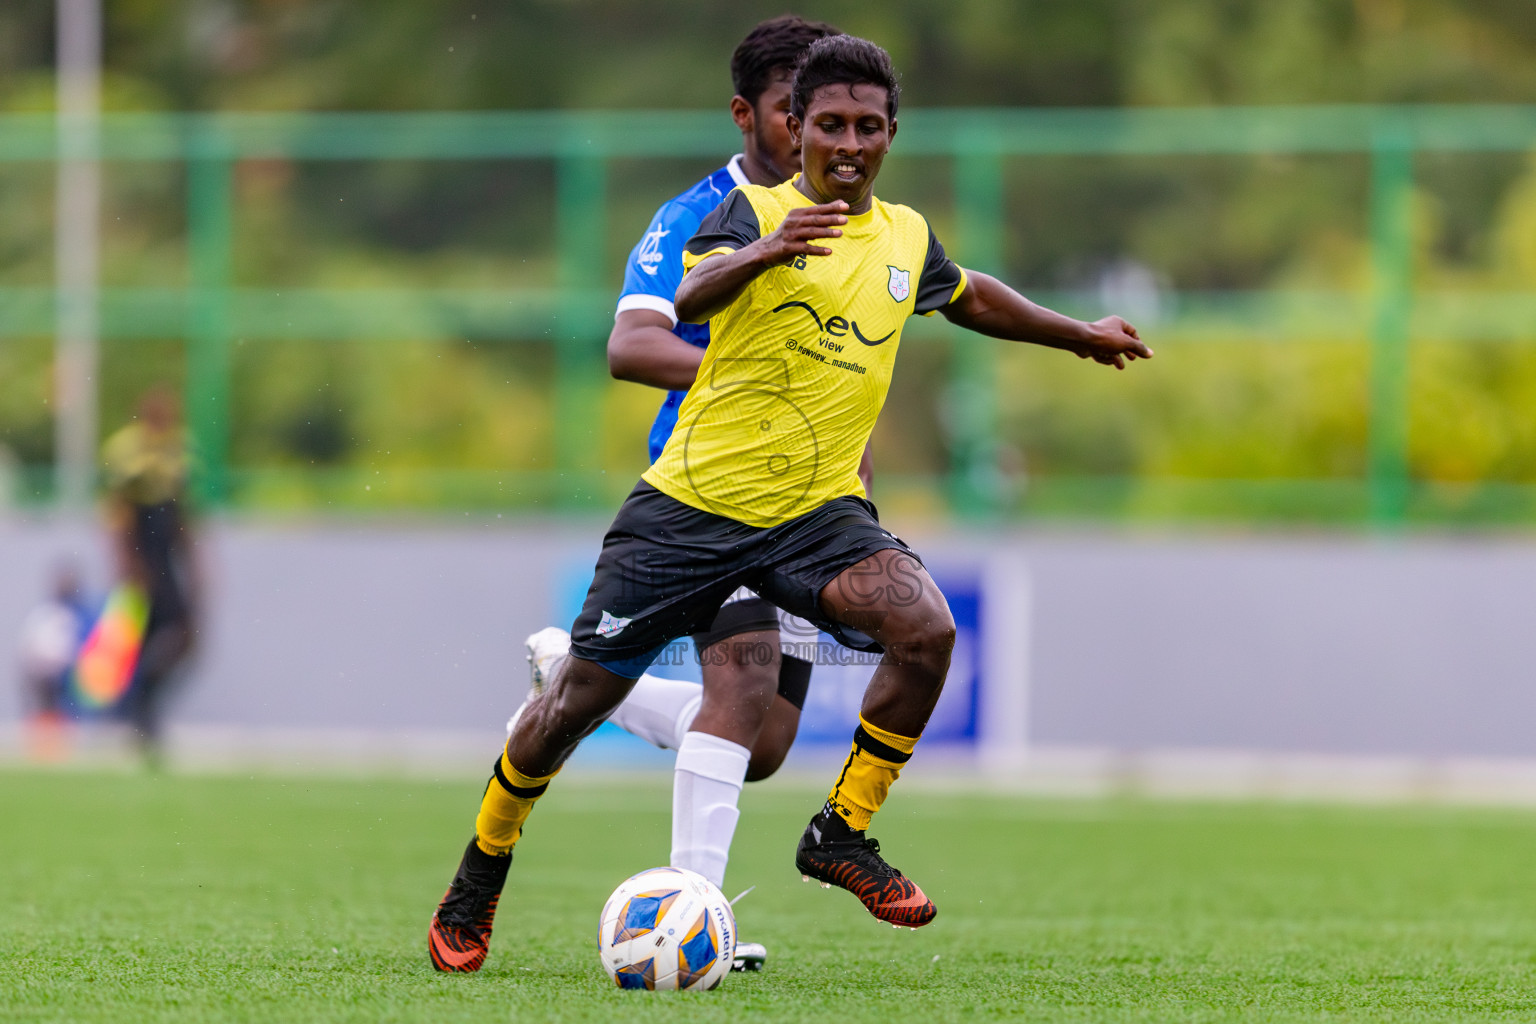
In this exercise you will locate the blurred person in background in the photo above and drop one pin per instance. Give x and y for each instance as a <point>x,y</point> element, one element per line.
<point>147,467</point>
<point>51,635</point>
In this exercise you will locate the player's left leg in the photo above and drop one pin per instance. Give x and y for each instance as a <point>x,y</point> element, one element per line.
<point>839,568</point>
<point>890,597</point>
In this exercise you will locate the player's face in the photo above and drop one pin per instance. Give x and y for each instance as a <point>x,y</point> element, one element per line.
<point>776,148</point>
<point>843,140</point>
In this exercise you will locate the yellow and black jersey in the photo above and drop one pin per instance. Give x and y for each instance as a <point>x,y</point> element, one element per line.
<point>145,466</point>
<point>798,366</point>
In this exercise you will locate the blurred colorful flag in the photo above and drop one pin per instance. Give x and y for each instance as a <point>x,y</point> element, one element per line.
<point>104,669</point>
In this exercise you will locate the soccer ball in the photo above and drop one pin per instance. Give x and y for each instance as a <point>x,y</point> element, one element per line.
<point>667,928</point>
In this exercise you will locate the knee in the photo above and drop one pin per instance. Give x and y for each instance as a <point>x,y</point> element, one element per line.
<point>742,673</point>
<point>932,628</point>
<point>927,641</point>
<point>942,636</point>
<point>754,659</point>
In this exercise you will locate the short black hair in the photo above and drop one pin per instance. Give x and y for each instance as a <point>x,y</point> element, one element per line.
<point>775,44</point>
<point>843,60</point>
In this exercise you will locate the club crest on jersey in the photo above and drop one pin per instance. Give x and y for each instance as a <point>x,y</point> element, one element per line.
<point>901,283</point>
<point>611,624</point>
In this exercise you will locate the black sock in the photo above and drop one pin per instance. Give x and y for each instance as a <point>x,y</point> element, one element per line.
<point>832,825</point>
<point>483,870</point>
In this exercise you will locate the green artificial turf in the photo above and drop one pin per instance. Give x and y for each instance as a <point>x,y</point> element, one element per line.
<point>137,898</point>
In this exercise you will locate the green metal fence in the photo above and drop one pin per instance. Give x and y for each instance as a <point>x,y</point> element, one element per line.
<point>574,315</point>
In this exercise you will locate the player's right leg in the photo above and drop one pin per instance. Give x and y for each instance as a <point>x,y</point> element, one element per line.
<point>644,593</point>
<point>575,703</point>
<point>740,677</point>
<point>739,658</point>
<point>798,645</point>
<point>737,726</point>
<point>662,711</point>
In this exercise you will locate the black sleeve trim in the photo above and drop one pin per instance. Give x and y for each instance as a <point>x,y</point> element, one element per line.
<point>731,225</point>
<point>940,278</point>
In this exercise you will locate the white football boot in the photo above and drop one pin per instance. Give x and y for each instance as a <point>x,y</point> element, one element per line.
<point>750,956</point>
<point>546,650</point>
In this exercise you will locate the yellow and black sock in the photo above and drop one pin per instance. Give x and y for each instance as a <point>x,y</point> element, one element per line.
<point>509,796</point>
<point>872,765</point>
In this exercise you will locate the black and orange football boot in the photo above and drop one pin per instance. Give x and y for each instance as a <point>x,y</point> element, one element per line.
<point>834,854</point>
<point>460,934</point>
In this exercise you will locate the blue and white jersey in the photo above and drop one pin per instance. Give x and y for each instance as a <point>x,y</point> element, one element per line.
<point>655,269</point>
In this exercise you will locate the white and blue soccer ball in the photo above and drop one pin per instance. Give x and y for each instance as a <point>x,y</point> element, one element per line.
<point>667,928</point>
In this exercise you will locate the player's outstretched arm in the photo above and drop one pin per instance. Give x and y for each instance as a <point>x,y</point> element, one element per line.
<point>643,349</point>
<point>714,283</point>
<point>990,307</point>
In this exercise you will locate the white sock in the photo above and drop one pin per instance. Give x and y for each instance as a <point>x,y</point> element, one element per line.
<point>659,711</point>
<point>705,788</point>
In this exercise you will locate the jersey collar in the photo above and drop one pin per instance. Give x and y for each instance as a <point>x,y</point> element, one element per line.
<point>801,199</point>
<point>733,168</point>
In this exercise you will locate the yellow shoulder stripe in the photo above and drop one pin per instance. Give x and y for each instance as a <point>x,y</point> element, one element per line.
<point>959,288</point>
<point>690,260</point>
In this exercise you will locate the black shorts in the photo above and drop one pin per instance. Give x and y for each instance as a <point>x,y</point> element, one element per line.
<point>667,567</point>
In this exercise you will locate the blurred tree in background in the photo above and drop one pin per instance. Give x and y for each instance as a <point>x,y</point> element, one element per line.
<point>1078,227</point>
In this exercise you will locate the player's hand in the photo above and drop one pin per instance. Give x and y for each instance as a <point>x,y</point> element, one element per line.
<point>801,226</point>
<point>1113,342</point>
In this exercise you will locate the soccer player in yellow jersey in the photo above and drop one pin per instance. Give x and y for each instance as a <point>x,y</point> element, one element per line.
<point>147,467</point>
<point>806,286</point>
